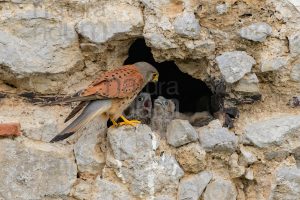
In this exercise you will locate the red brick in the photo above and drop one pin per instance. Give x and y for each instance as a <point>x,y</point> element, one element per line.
<point>10,129</point>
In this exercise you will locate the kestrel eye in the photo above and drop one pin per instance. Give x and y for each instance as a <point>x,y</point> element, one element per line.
<point>166,103</point>
<point>140,99</point>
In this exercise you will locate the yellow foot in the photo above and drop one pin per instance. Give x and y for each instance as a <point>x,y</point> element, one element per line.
<point>129,122</point>
<point>115,124</point>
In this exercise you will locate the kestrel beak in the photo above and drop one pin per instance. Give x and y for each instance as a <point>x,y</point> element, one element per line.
<point>155,78</point>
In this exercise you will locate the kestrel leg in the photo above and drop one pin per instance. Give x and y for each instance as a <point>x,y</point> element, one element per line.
<point>115,124</point>
<point>128,122</point>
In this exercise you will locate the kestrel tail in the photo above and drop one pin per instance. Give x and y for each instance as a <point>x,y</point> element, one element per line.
<point>110,94</point>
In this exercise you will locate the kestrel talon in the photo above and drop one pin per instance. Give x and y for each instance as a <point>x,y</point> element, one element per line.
<point>110,94</point>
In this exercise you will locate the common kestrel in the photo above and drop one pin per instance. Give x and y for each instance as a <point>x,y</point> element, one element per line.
<point>163,114</point>
<point>140,108</point>
<point>110,94</point>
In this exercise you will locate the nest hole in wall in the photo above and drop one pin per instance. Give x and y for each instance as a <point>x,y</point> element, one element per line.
<point>189,94</point>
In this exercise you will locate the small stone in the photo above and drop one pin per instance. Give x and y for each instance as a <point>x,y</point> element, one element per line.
<point>294,43</point>
<point>247,156</point>
<point>234,65</point>
<point>295,73</point>
<point>180,132</point>
<point>191,157</point>
<point>279,155</point>
<point>191,187</point>
<point>248,84</point>
<point>214,137</point>
<point>272,131</point>
<point>273,64</point>
<point>249,174</point>
<point>220,189</point>
<point>294,102</point>
<point>221,8</point>
<point>187,25</point>
<point>257,32</point>
<point>235,169</point>
<point>126,141</point>
<point>287,184</point>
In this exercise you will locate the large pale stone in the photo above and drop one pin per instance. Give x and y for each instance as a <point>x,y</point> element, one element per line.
<point>187,25</point>
<point>273,64</point>
<point>272,131</point>
<point>214,137</point>
<point>89,157</point>
<point>220,189</point>
<point>248,84</point>
<point>33,170</point>
<point>180,132</point>
<point>257,32</point>
<point>28,45</point>
<point>127,141</point>
<point>287,184</point>
<point>112,22</point>
<point>191,187</point>
<point>234,65</point>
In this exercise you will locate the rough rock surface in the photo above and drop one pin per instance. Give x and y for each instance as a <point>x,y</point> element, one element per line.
<point>52,48</point>
<point>191,187</point>
<point>191,157</point>
<point>273,131</point>
<point>220,189</point>
<point>37,169</point>
<point>257,32</point>
<point>180,132</point>
<point>215,138</point>
<point>234,65</point>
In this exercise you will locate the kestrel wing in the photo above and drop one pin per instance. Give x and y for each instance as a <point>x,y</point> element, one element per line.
<point>119,83</point>
<point>78,108</point>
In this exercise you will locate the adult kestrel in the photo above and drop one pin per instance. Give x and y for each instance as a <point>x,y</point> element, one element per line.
<point>110,94</point>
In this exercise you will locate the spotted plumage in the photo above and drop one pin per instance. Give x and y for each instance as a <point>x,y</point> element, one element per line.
<point>110,94</point>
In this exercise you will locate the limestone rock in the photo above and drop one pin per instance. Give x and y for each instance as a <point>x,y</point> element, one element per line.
<point>248,84</point>
<point>287,184</point>
<point>221,8</point>
<point>89,157</point>
<point>294,43</point>
<point>249,174</point>
<point>216,138</point>
<point>112,22</point>
<point>33,170</point>
<point>235,169</point>
<point>273,64</point>
<point>37,46</point>
<point>135,162</point>
<point>220,189</point>
<point>272,131</point>
<point>234,65</point>
<point>187,25</point>
<point>82,190</point>
<point>191,187</point>
<point>191,157</point>
<point>257,32</point>
<point>295,73</point>
<point>180,132</point>
<point>248,157</point>
<point>126,141</point>
<point>104,189</point>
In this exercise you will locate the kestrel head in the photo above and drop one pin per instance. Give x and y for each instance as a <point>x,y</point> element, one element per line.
<point>149,72</point>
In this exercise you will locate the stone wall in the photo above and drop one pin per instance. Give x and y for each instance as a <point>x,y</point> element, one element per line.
<point>59,46</point>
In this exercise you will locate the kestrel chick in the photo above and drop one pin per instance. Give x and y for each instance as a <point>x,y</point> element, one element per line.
<point>110,94</point>
<point>163,114</point>
<point>140,108</point>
